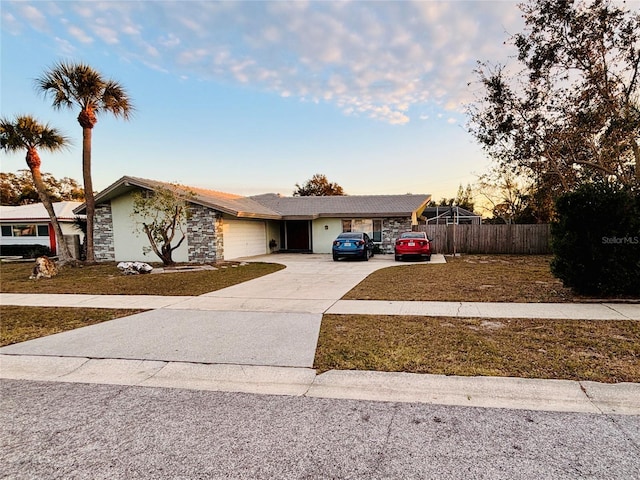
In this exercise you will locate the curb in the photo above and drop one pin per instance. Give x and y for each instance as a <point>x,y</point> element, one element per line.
<point>483,392</point>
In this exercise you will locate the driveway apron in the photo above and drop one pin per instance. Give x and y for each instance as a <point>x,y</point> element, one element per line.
<point>270,321</point>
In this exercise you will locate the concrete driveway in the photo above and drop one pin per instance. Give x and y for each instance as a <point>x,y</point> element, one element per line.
<point>270,321</point>
<point>310,284</point>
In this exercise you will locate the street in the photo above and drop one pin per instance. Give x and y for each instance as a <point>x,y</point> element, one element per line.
<point>82,431</point>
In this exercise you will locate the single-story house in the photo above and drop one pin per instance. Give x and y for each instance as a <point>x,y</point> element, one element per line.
<point>225,226</point>
<point>30,225</point>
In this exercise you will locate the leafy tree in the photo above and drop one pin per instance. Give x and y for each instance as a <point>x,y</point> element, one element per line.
<point>318,186</point>
<point>463,199</point>
<point>10,189</point>
<point>77,85</point>
<point>596,239</point>
<point>571,113</point>
<point>160,215</point>
<point>67,189</point>
<point>18,189</point>
<point>25,132</point>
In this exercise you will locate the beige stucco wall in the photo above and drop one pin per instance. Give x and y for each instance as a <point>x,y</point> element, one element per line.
<point>128,244</point>
<point>70,229</point>
<point>323,238</point>
<point>273,232</point>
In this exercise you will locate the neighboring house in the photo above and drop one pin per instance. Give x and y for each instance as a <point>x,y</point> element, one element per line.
<point>224,226</point>
<point>30,225</point>
<point>445,215</point>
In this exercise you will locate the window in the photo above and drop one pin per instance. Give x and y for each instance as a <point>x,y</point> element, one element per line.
<point>377,231</point>
<point>364,225</point>
<point>373,228</point>
<point>25,230</point>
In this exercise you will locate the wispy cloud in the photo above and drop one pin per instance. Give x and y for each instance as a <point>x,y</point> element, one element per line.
<point>34,16</point>
<point>381,60</point>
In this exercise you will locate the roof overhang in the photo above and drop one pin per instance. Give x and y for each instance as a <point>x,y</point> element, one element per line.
<point>128,184</point>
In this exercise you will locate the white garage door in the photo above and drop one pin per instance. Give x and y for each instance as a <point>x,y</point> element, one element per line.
<point>244,238</point>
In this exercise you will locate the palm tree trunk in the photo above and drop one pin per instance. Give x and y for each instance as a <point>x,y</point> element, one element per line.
<point>89,197</point>
<point>33,161</point>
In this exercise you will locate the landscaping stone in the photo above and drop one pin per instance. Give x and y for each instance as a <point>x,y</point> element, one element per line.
<point>134,268</point>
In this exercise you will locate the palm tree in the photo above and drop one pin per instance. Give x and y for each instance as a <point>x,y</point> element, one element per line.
<point>73,85</point>
<point>25,132</point>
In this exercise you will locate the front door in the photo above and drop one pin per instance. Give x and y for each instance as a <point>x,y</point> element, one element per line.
<point>297,235</point>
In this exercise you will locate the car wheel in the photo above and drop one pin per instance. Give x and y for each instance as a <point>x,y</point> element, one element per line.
<point>398,258</point>
<point>428,258</point>
<point>365,255</point>
<point>335,257</point>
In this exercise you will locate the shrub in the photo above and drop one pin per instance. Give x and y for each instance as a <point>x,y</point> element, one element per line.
<point>25,251</point>
<point>596,240</point>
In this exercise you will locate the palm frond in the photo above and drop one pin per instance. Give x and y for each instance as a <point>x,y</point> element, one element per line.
<point>79,85</point>
<point>24,132</point>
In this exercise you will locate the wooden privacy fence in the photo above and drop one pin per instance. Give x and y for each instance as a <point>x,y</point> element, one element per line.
<point>515,239</point>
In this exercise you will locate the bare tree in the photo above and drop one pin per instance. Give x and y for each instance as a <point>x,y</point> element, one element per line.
<point>160,215</point>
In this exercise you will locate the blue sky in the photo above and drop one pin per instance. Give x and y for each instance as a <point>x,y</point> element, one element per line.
<point>254,97</point>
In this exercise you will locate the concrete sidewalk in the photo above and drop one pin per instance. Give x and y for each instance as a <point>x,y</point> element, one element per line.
<point>260,337</point>
<point>219,301</point>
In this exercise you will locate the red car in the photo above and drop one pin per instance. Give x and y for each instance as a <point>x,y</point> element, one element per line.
<point>413,244</point>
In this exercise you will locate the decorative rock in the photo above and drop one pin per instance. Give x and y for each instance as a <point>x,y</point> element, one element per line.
<point>44,268</point>
<point>134,268</point>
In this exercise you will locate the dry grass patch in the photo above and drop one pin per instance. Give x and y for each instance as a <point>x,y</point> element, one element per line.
<point>104,279</point>
<point>602,351</point>
<point>469,278</point>
<point>20,324</point>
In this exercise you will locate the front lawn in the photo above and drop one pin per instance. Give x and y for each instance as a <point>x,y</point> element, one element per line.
<point>468,278</point>
<point>602,351</point>
<point>106,279</point>
<point>20,324</point>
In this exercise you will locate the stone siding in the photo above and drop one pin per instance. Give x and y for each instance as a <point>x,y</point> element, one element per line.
<point>204,237</point>
<point>103,245</point>
<point>219,238</point>
<point>391,229</point>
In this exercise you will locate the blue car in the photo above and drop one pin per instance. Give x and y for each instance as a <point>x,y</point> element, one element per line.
<point>352,244</point>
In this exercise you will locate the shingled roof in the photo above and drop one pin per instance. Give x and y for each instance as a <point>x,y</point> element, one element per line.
<point>276,207</point>
<point>36,212</point>
<point>370,206</point>
<point>235,205</point>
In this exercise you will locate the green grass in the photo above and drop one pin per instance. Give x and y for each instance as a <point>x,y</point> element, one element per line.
<point>106,279</point>
<point>602,351</point>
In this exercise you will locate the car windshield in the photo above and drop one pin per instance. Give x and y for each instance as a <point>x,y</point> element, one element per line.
<point>350,235</point>
<point>413,235</point>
